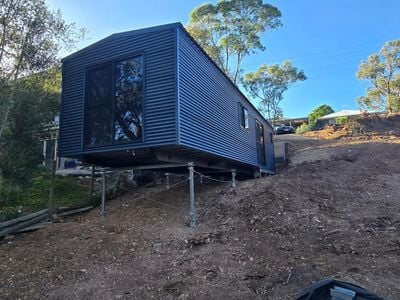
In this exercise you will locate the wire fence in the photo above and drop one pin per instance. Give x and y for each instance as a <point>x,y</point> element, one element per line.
<point>147,196</point>
<point>210,178</point>
<point>151,194</point>
<point>89,200</point>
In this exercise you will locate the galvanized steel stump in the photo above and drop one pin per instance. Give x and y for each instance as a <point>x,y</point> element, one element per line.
<point>167,175</point>
<point>233,183</point>
<point>191,196</point>
<point>103,195</point>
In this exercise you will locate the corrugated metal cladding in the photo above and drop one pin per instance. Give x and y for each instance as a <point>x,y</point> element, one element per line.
<point>209,108</point>
<point>158,45</point>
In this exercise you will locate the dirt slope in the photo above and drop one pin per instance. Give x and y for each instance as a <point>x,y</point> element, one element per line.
<point>333,212</point>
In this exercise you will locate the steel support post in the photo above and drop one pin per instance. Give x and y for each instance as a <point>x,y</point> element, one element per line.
<point>167,175</point>
<point>191,196</point>
<point>103,195</point>
<point>233,183</point>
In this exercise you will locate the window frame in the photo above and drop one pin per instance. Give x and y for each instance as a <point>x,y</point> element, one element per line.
<point>89,107</point>
<point>261,155</point>
<point>112,63</point>
<point>244,117</point>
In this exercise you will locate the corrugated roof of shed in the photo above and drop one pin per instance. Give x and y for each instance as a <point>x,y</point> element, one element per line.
<point>342,113</point>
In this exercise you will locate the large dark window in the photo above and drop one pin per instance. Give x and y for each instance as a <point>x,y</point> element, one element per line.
<point>98,107</point>
<point>114,103</point>
<point>128,113</point>
<point>244,116</point>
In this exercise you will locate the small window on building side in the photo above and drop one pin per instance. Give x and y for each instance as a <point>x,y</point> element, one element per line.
<point>244,117</point>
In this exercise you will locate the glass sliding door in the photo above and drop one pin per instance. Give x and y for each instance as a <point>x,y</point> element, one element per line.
<point>128,114</point>
<point>114,103</point>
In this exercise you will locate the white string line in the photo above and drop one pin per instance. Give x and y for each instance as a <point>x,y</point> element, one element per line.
<point>208,177</point>
<point>176,175</point>
<point>171,186</point>
<point>179,182</point>
<point>155,193</point>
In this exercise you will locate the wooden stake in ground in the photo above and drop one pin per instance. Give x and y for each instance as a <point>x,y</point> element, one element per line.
<point>92,183</point>
<point>53,175</point>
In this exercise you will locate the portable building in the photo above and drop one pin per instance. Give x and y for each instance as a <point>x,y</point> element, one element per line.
<point>153,98</point>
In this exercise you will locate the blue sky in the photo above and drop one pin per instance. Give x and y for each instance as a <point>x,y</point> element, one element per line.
<point>326,38</point>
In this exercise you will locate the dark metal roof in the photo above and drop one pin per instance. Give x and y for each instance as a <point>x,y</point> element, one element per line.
<point>122,34</point>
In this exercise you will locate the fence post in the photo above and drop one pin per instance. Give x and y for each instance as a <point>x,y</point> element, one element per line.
<point>191,196</point>
<point>52,179</point>
<point>92,182</point>
<point>285,152</point>
<point>51,194</point>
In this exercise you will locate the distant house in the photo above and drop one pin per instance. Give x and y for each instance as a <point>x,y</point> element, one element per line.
<point>153,98</point>
<point>295,122</point>
<point>49,139</point>
<point>331,118</point>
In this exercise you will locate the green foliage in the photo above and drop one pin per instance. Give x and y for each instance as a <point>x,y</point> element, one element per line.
<point>383,72</point>
<point>269,83</point>
<point>30,38</point>
<point>342,120</point>
<point>230,30</point>
<point>9,213</point>
<point>35,104</point>
<point>68,191</point>
<point>303,128</point>
<point>319,112</point>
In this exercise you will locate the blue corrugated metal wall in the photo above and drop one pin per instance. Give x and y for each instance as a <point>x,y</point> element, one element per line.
<point>209,108</point>
<point>159,48</point>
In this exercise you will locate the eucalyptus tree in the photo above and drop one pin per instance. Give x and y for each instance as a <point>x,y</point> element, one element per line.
<point>382,70</point>
<point>269,83</point>
<point>31,36</point>
<point>319,112</point>
<point>230,30</point>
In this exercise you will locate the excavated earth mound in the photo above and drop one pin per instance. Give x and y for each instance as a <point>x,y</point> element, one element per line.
<point>334,211</point>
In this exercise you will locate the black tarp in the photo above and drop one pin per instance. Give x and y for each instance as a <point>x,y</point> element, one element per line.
<point>321,291</point>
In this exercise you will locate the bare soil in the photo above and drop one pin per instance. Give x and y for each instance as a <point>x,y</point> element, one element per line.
<point>334,211</point>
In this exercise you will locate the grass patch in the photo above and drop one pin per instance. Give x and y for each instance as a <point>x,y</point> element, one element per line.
<point>16,200</point>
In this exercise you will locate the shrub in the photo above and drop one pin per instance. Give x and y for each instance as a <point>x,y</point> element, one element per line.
<point>9,213</point>
<point>15,199</point>
<point>303,128</point>
<point>342,120</point>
